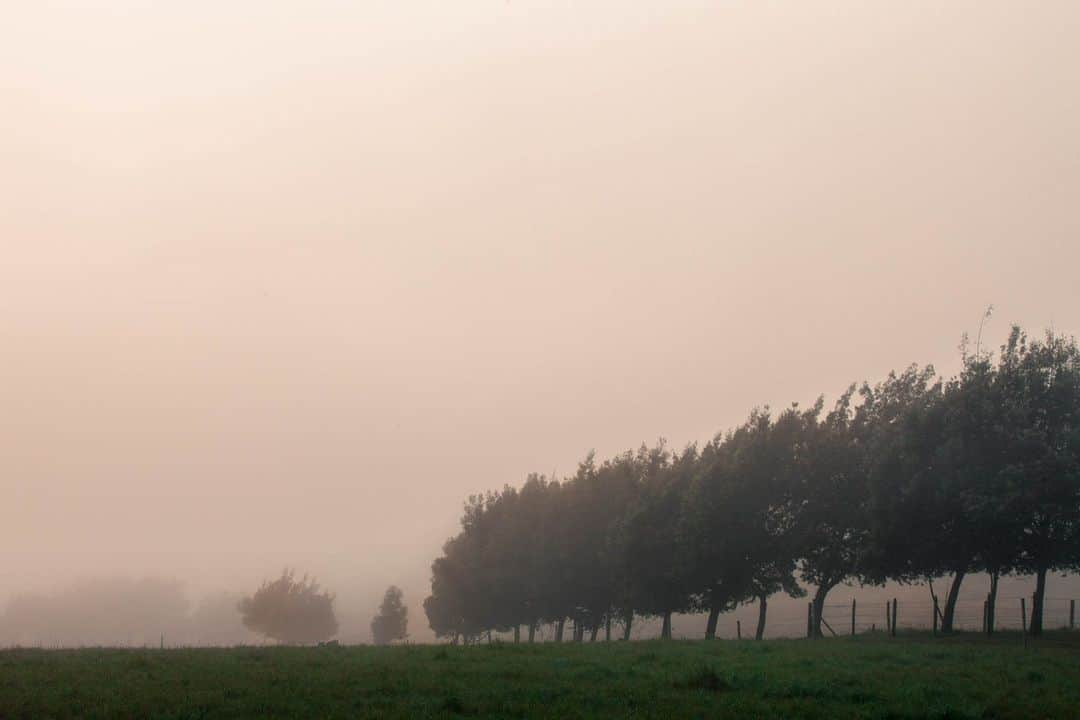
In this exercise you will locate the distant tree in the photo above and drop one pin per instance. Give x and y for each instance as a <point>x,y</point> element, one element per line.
<point>290,611</point>
<point>392,622</point>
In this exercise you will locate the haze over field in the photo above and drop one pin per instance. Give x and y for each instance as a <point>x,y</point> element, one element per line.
<point>283,282</point>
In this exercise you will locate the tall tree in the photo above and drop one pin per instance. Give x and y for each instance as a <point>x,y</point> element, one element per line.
<point>653,546</point>
<point>829,502</point>
<point>1042,400</point>
<point>392,621</point>
<point>739,517</point>
<point>595,502</point>
<point>915,495</point>
<point>980,512</point>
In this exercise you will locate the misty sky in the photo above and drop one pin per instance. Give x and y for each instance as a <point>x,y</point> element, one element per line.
<point>284,282</point>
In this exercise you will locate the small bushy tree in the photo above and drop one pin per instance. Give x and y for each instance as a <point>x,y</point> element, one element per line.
<point>290,611</point>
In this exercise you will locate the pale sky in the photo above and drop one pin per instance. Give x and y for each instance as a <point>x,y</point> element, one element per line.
<point>282,282</point>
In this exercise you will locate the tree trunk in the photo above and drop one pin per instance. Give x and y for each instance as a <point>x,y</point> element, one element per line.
<point>665,629</point>
<point>819,608</point>
<point>1038,603</point>
<point>607,628</point>
<point>595,632</point>
<point>579,631</point>
<point>559,629</point>
<point>628,622</point>
<point>532,631</point>
<point>950,602</point>
<point>517,633</point>
<point>710,627</point>
<point>763,607</point>
<point>991,602</point>
<point>455,640</point>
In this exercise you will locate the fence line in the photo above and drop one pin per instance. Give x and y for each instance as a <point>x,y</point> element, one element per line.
<point>844,618</point>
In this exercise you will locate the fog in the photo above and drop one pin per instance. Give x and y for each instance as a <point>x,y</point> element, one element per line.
<point>282,283</point>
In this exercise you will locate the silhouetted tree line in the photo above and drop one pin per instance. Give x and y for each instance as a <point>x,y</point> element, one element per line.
<point>911,479</point>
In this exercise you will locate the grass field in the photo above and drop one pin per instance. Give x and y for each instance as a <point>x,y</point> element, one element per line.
<point>869,676</point>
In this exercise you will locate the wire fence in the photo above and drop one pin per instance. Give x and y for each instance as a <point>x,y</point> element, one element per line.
<point>1009,614</point>
<point>842,618</point>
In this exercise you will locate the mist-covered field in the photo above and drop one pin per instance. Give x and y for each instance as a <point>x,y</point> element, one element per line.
<point>867,676</point>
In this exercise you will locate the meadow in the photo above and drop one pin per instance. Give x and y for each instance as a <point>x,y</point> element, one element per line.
<point>866,676</point>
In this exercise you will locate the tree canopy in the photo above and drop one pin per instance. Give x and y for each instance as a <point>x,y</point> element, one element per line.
<point>290,611</point>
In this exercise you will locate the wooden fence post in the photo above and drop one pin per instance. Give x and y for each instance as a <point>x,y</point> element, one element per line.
<point>935,616</point>
<point>1072,614</point>
<point>888,617</point>
<point>853,617</point>
<point>986,614</point>
<point>738,629</point>
<point>895,602</point>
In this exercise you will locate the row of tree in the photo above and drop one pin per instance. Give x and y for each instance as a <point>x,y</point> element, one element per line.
<point>910,479</point>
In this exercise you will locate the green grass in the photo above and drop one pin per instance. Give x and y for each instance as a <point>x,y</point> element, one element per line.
<point>870,676</point>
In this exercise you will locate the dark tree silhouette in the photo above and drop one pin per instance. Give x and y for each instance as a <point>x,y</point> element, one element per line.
<point>913,495</point>
<point>654,552</point>
<point>1042,381</point>
<point>740,518</point>
<point>392,622</point>
<point>829,500</point>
